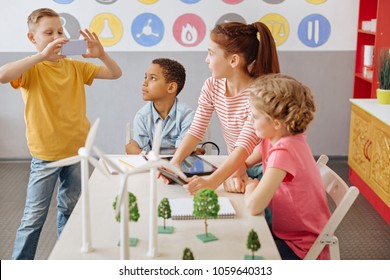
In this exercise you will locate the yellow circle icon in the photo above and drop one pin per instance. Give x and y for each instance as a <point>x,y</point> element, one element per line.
<point>148,1</point>
<point>278,26</point>
<point>108,27</point>
<point>316,1</point>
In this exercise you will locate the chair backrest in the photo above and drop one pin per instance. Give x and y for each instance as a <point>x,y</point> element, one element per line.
<point>343,198</point>
<point>129,132</point>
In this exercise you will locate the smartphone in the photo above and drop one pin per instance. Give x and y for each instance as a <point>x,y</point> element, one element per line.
<point>74,47</point>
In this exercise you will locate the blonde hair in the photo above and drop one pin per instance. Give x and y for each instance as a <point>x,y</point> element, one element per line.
<point>36,15</point>
<point>284,98</point>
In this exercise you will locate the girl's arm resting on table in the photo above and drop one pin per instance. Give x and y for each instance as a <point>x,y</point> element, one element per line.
<point>257,197</point>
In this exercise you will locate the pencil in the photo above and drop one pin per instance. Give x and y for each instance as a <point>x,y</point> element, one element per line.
<point>125,163</point>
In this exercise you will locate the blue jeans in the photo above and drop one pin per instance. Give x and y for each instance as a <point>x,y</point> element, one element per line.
<point>39,193</point>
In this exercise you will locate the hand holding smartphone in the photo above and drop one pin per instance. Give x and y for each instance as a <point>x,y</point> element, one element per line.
<point>74,47</point>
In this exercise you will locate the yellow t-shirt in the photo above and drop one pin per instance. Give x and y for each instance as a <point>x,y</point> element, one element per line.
<point>55,107</point>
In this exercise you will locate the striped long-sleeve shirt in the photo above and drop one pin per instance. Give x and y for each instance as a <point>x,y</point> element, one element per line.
<point>233,114</point>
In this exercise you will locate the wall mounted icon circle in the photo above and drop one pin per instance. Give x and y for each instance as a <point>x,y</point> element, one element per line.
<point>233,2</point>
<point>70,25</point>
<point>189,30</point>
<point>316,1</point>
<point>190,1</point>
<point>63,1</point>
<point>230,17</point>
<point>108,27</point>
<point>148,1</point>
<point>147,29</point>
<point>279,27</point>
<point>107,2</point>
<point>314,30</point>
<point>273,1</point>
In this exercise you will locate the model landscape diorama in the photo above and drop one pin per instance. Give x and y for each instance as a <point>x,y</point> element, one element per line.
<point>205,205</point>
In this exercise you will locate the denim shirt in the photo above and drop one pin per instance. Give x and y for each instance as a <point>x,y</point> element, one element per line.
<point>175,126</point>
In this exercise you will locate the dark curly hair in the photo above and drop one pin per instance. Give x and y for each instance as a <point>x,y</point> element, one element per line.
<point>173,71</point>
<point>284,98</point>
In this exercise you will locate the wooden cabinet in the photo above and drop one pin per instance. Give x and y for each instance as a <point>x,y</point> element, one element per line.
<point>379,157</point>
<point>365,87</point>
<point>360,142</point>
<point>369,153</point>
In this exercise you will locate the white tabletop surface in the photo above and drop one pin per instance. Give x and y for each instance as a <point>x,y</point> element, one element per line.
<point>232,233</point>
<point>371,106</point>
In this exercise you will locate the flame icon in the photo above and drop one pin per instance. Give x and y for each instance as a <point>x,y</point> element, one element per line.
<point>189,34</point>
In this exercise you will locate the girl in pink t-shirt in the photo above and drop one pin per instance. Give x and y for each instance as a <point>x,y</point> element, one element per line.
<point>291,185</point>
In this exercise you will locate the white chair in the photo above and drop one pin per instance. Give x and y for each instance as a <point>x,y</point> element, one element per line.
<point>129,132</point>
<point>343,197</point>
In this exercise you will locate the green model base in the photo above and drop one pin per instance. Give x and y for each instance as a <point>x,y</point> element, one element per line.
<point>133,241</point>
<point>206,238</point>
<point>166,230</point>
<point>250,257</point>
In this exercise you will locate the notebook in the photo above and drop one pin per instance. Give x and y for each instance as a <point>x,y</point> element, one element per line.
<point>182,208</point>
<point>124,161</point>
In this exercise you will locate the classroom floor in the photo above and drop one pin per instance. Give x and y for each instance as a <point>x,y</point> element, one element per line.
<point>363,234</point>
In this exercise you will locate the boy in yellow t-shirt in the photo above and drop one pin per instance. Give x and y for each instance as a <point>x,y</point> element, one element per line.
<point>56,123</point>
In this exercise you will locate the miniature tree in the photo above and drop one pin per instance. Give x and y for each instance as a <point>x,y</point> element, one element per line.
<point>187,254</point>
<point>206,206</point>
<point>133,213</point>
<point>253,244</point>
<point>164,211</point>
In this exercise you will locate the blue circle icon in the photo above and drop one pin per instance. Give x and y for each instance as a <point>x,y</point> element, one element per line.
<point>190,1</point>
<point>314,30</point>
<point>63,1</point>
<point>147,29</point>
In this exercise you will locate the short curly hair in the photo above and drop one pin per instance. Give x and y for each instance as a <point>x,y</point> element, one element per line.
<point>173,71</point>
<point>284,98</point>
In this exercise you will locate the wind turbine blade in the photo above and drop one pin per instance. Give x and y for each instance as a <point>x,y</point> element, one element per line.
<point>91,136</point>
<point>156,141</point>
<point>64,162</point>
<point>96,164</point>
<point>108,161</point>
<point>121,194</point>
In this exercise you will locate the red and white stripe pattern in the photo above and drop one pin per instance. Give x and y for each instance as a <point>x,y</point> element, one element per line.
<point>233,113</point>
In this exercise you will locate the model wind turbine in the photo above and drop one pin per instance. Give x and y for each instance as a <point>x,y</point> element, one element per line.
<point>84,156</point>
<point>123,204</point>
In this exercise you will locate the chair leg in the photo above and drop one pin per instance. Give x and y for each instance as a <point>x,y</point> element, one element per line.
<point>334,249</point>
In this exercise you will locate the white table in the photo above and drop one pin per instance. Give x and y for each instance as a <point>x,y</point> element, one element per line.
<point>232,233</point>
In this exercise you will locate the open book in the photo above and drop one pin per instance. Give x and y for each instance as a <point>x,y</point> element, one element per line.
<point>182,208</point>
<point>124,161</point>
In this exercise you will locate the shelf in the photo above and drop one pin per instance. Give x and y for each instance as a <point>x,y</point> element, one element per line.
<point>366,32</point>
<point>361,76</point>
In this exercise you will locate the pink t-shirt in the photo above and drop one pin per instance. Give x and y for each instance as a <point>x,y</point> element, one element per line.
<point>299,206</point>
